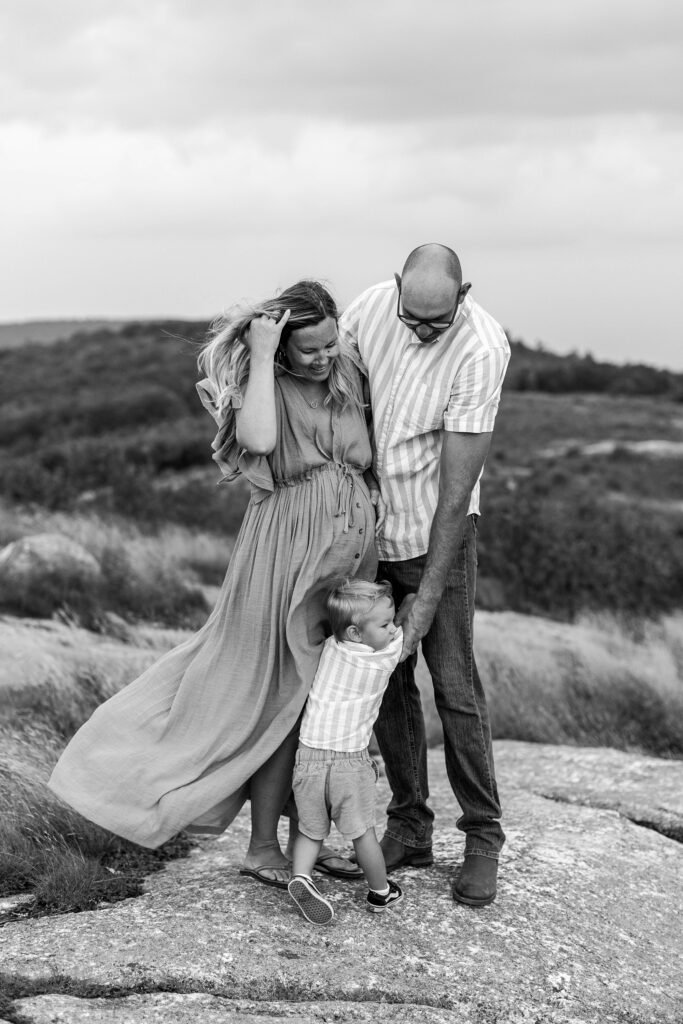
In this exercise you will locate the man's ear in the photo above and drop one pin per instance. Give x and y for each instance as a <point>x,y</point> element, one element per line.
<point>464,289</point>
<point>397,278</point>
<point>352,633</point>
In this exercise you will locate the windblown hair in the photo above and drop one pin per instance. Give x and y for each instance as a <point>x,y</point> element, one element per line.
<point>224,359</point>
<point>349,602</point>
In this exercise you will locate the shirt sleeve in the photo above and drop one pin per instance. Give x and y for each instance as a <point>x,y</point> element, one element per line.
<point>209,398</point>
<point>393,652</point>
<point>349,329</point>
<point>474,399</point>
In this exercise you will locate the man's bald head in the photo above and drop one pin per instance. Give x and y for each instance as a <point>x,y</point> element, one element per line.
<point>430,281</point>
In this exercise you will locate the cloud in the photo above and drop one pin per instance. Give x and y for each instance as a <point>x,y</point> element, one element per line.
<point>610,180</point>
<point>173,64</point>
<point>170,155</point>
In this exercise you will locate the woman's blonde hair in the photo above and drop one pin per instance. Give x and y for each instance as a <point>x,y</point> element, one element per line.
<point>224,359</point>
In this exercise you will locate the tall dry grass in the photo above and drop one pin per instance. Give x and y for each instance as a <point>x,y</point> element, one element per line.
<point>46,849</point>
<point>155,577</point>
<point>52,680</point>
<point>598,682</point>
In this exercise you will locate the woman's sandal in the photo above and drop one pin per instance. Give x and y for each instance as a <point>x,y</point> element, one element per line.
<point>257,874</point>
<point>353,874</point>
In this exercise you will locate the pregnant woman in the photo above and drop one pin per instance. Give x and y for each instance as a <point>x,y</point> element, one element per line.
<point>215,720</point>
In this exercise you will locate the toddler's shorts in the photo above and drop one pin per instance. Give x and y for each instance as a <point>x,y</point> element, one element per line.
<point>334,785</point>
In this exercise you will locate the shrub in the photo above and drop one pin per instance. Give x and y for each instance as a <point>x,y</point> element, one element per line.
<point>90,415</point>
<point>158,592</point>
<point>561,550</point>
<point>57,473</point>
<point>151,589</point>
<point>40,597</point>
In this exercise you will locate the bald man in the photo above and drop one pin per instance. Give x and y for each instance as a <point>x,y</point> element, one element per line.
<point>435,362</point>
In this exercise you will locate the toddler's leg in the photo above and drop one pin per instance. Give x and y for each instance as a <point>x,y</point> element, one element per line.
<point>369,855</point>
<point>305,854</point>
<point>371,859</point>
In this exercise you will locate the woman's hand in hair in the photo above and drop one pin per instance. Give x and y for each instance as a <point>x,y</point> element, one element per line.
<point>263,336</point>
<point>255,422</point>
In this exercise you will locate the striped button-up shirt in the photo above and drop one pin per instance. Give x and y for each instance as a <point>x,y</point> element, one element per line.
<point>343,703</point>
<point>417,391</point>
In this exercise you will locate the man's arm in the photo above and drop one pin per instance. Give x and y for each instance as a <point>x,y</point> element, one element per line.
<point>462,460</point>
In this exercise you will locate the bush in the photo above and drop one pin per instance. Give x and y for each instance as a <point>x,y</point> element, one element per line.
<point>52,591</point>
<point>158,592</point>
<point>540,370</point>
<point>25,427</point>
<point>152,590</point>
<point>56,474</point>
<point>561,552</point>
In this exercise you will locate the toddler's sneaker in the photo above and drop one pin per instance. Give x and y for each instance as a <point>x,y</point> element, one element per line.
<point>310,902</point>
<point>378,904</point>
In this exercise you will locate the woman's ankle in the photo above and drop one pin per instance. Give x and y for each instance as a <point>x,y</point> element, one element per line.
<point>258,846</point>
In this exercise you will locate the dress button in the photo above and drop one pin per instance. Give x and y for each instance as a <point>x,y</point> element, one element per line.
<point>356,556</point>
<point>357,504</point>
<point>361,530</point>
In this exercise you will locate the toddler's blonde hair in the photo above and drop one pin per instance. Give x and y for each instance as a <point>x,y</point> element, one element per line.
<point>350,600</point>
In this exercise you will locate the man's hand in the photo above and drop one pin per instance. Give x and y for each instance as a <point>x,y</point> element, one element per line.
<point>415,617</point>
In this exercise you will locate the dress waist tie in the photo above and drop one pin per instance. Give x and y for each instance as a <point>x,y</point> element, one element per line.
<point>347,482</point>
<point>346,492</point>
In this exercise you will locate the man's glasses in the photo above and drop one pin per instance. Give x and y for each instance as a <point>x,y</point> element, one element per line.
<point>432,328</point>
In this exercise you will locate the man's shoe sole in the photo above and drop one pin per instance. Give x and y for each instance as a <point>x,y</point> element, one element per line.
<point>472,901</point>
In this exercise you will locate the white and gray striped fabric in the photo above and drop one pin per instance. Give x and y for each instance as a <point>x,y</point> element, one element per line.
<point>343,703</point>
<point>417,391</point>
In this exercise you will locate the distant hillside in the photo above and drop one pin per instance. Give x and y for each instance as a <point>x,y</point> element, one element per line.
<point>582,495</point>
<point>531,369</point>
<point>44,332</point>
<point>537,369</point>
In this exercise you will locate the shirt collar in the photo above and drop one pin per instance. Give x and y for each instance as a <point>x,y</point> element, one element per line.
<point>351,645</point>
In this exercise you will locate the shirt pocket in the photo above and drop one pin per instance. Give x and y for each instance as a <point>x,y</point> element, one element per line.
<point>423,406</point>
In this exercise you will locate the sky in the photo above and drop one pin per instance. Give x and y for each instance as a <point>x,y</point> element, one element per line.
<point>171,157</point>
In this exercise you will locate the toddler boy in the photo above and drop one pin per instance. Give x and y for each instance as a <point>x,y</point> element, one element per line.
<point>334,775</point>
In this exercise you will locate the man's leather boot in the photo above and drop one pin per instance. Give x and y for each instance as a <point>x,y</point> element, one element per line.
<point>475,883</point>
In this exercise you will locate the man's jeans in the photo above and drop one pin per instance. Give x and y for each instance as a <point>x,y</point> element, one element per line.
<point>460,701</point>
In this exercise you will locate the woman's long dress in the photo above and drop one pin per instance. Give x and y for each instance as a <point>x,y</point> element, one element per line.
<point>176,748</point>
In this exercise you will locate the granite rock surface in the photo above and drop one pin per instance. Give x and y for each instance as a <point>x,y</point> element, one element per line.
<point>586,927</point>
